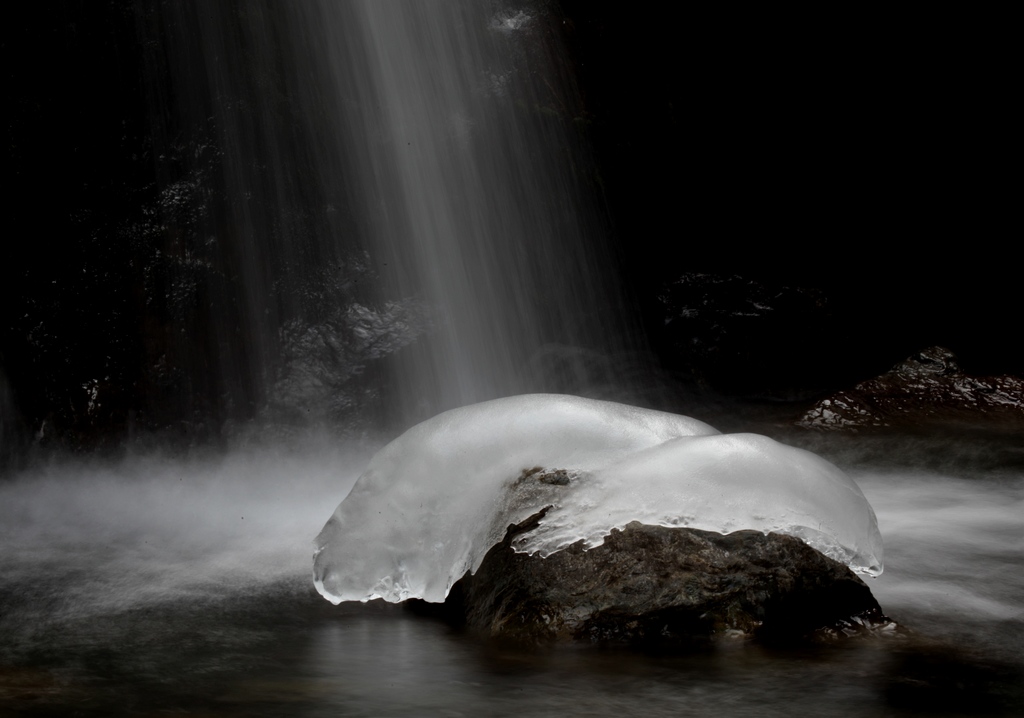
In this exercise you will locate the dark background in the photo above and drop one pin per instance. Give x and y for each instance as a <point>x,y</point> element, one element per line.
<point>863,154</point>
<point>854,168</point>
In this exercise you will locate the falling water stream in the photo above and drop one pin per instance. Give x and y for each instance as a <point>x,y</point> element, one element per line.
<point>435,139</point>
<point>459,135</point>
<point>438,145</point>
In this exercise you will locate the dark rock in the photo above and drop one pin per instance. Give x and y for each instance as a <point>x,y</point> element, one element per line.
<point>658,586</point>
<point>746,338</point>
<point>928,386</point>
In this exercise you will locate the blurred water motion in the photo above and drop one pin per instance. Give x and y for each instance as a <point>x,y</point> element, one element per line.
<point>419,163</point>
<point>158,583</point>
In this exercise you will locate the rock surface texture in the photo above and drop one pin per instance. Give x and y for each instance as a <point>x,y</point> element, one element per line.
<point>657,586</point>
<point>928,386</point>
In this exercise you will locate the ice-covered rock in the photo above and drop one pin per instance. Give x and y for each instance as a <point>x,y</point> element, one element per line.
<point>432,502</point>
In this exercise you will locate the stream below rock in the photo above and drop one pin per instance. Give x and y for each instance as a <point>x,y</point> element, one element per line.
<point>156,585</point>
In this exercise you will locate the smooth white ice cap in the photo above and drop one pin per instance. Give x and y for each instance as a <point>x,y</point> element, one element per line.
<point>433,501</point>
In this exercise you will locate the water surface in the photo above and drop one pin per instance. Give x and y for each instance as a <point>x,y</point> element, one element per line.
<point>155,585</point>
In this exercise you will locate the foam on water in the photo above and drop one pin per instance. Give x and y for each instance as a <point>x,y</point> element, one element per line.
<point>93,537</point>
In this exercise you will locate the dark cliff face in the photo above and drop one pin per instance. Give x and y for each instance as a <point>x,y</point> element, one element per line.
<point>126,307</point>
<point>79,162</point>
<point>857,158</point>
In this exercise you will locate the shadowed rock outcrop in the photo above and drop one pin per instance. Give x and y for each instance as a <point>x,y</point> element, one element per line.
<point>928,386</point>
<point>657,586</point>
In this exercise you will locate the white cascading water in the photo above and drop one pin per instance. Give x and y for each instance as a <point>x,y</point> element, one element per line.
<point>470,188</point>
<point>442,144</point>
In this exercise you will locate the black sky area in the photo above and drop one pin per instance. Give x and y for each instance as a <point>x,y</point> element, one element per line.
<point>868,156</point>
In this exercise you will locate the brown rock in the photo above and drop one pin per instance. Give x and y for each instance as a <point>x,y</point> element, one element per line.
<point>927,387</point>
<point>653,585</point>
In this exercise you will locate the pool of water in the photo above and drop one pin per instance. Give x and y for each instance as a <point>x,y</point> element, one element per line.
<point>163,586</point>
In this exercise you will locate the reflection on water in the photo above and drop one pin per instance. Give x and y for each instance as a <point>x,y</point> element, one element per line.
<point>184,586</point>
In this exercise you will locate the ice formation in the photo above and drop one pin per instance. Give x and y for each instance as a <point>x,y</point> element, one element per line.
<point>432,502</point>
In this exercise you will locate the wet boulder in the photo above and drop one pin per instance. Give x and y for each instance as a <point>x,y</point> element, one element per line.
<point>927,387</point>
<point>665,586</point>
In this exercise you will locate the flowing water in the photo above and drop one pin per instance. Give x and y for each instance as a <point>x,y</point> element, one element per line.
<point>437,145</point>
<point>460,138</point>
<point>158,584</point>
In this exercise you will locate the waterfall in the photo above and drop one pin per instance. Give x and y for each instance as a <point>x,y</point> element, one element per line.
<point>438,147</point>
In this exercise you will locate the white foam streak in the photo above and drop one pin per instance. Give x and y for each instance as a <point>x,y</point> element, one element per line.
<point>954,546</point>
